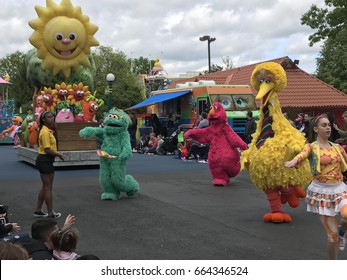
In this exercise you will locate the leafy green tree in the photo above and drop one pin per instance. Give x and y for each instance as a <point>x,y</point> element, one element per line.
<point>141,65</point>
<point>330,25</point>
<point>14,65</point>
<point>331,65</point>
<point>126,89</point>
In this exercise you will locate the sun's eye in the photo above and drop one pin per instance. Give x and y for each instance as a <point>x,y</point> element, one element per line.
<point>72,36</point>
<point>59,36</point>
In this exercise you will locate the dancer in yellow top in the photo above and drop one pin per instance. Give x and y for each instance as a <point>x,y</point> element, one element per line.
<point>327,193</point>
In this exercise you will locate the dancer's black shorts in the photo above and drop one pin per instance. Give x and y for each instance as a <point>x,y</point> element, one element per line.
<point>44,164</point>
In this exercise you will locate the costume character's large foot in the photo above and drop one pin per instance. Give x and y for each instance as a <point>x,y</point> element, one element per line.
<point>109,196</point>
<point>132,185</point>
<point>132,193</point>
<point>300,192</point>
<point>277,217</point>
<point>219,182</point>
<point>292,196</point>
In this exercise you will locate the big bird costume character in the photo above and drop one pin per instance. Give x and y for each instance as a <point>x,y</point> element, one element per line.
<point>225,145</point>
<point>114,153</point>
<point>274,142</point>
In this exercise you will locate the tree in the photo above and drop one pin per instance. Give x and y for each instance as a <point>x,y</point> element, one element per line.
<point>20,91</point>
<point>330,24</point>
<point>228,63</point>
<point>141,65</point>
<point>214,68</point>
<point>331,65</point>
<point>126,89</point>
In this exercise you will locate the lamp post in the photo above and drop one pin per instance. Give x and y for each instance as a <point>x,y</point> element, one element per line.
<point>209,40</point>
<point>110,79</point>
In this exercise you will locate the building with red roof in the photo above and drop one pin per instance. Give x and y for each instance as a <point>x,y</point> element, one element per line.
<point>304,92</point>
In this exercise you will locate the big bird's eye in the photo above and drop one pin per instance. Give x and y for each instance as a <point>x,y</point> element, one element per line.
<point>260,81</point>
<point>72,36</point>
<point>267,80</point>
<point>59,36</point>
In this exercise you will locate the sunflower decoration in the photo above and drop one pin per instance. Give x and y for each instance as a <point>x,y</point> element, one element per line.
<point>62,93</point>
<point>49,96</point>
<point>78,94</point>
<point>63,37</point>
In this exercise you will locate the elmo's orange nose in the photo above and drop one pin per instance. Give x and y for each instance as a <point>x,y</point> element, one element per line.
<point>212,112</point>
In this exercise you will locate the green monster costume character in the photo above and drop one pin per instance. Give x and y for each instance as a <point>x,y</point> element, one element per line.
<point>114,153</point>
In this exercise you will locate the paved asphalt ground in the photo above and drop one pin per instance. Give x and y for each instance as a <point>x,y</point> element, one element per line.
<point>177,215</point>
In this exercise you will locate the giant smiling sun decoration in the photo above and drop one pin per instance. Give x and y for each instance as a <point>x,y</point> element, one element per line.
<point>63,37</point>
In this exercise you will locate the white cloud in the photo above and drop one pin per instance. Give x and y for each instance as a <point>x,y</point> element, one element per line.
<point>246,31</point>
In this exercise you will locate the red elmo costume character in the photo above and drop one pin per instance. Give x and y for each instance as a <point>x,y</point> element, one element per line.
<point>225,145</point>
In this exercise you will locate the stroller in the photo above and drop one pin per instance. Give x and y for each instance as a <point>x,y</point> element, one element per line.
<point>169,145</point>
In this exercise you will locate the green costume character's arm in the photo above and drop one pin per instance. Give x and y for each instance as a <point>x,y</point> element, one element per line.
<point>90,132</point>
<point>126,151</point>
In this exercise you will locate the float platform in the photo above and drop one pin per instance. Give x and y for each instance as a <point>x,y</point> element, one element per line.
<point>72,158</point>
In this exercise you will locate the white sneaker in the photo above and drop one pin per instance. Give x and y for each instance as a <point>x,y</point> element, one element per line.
<point>342,243</point>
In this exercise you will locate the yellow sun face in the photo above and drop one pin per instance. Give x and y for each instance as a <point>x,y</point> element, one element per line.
<point>63,37</point>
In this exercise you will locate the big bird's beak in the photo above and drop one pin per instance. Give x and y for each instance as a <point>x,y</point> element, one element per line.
<point>264,92</point>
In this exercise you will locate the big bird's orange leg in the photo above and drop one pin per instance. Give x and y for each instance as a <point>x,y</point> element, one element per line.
<point>292,195</point>
<point>276,215</point>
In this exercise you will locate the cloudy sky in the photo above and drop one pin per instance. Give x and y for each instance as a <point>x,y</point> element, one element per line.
<point>246,31</point>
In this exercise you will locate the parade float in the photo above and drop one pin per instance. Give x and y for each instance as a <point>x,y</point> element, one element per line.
<point>61,70</point>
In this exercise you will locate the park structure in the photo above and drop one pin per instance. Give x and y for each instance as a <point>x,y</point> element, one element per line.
<point>61,70</point>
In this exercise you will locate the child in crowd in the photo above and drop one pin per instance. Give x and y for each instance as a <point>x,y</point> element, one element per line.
<point>65,244</point>
<point>182,151</point>
<point>9,251</point>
